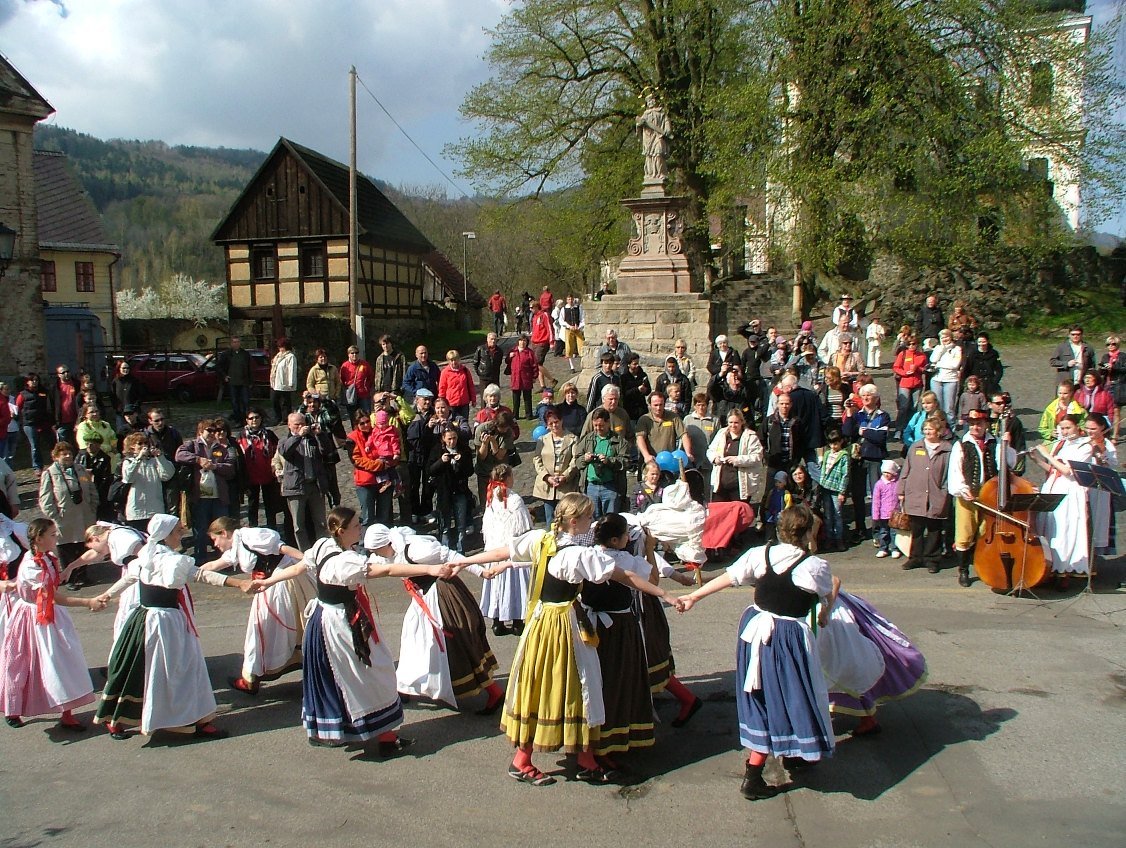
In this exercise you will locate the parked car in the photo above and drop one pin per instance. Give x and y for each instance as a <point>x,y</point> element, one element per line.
<point>191,376</point>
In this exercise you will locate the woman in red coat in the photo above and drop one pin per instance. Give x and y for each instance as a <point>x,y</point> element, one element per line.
<point>524,368</point>
<point>910,367</point>
<point>456,385</point>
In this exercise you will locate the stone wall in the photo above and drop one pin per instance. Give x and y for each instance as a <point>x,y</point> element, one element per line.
<point>23,327</point>
<point>650,324</point>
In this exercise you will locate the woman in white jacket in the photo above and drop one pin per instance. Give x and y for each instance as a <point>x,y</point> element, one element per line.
<point>736,456</point>
<point>283,379</point>
<point>946,360</point>
<point>146,470</point>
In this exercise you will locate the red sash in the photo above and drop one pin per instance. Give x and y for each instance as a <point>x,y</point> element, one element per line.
<point>439,632</point>
<point>45,597</point>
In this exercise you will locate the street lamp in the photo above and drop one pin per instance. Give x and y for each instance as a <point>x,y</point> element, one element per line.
<point>7,246</point>
<point>465,237</point>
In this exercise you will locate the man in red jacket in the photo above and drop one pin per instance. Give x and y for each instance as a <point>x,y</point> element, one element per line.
<point>498,306</point>
<point>543,331</point>
<point>547,300</point>
<point>259,444</point>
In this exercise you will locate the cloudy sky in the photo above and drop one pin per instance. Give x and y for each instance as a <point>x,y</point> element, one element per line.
<point>240,73</point>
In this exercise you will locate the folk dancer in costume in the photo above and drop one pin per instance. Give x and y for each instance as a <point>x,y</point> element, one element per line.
<point>157,674</point>
<point>1065,528</point>
<point>120,545</point>
<point>444,651</point>
<point>655,629</point>
<point>505,597</point>
<point>973,462</point>
<point>348,684</point>
<point>866,660</point>
<point>554,698</point>
<point>781,695</point>
<point>13,545</point>
<point>272,646</point>
<point>626,694</point>
<point>42,667</point>
<point>678,520</point>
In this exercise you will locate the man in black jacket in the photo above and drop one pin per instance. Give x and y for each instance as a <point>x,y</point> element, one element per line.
<point>236,368</point>
<point>488,361</point>
<point>303,480</point>
<point>1073,357</point>
<point>930,320</point>
<point>160,432</point>
<point>420,441</point>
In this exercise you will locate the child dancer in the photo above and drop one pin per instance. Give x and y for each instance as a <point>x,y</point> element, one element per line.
<point>42,667</point>
<point>157,674</point>
<point>505,597</point>
<point>782,699</point>
<point>348,673</point>
<point>120,545</point>
<point>621,647</point>
<point>272,646</point>
<point>678,520</point>
<point>444,650</point>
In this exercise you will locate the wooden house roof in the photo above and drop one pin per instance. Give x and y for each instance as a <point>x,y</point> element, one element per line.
<point>380,221</point>
<point>67,217</point>
<point>18,97</point>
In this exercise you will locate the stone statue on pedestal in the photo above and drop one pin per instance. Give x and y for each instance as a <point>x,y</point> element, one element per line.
<point>655,134</point>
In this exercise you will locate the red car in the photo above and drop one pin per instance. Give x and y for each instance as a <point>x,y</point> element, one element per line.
<point>191,376</point>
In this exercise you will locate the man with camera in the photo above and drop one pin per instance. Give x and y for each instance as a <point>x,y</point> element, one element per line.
<point>324,417</point>
<point>304,480</point>
<point>602,458</point>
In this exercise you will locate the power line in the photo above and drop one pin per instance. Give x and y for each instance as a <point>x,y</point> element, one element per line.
<point>399,126</point>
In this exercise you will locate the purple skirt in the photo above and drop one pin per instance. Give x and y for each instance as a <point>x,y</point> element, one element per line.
<point>904,667</point>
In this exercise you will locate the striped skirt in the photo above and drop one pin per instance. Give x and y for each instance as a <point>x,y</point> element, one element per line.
<point>625,685</point>
<point>788,714</point>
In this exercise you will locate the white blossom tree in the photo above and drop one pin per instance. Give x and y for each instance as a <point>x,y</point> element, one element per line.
<point>180,297</point>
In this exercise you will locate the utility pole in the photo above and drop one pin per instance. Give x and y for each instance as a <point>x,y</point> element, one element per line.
<point>355,314</point>
<point>465,237</point>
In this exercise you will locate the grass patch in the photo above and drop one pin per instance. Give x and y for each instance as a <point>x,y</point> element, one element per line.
<point>1100,312</point>
<point>439,341</point>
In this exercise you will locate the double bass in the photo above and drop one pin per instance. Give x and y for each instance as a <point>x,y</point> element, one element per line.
<point>1009,556</point>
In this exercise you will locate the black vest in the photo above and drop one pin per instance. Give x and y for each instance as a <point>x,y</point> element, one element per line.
<point>610,596</point>
<point>971,463</point>
<point>158,596</point>
<point>777,593</point>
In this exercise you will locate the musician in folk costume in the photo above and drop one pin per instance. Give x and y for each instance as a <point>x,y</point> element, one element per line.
<point>973,461</point>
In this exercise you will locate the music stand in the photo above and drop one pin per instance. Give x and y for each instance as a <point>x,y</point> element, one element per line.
<point>1092,476</point>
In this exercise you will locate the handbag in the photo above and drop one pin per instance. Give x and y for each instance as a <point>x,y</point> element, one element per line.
<point>899,520</point>
<point>351,396</point>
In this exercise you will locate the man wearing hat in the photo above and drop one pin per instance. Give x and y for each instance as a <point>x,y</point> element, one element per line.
<point>844,310</point>
<point>973,461</point>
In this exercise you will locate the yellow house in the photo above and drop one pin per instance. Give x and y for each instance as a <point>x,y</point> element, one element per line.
<point>76,258</point>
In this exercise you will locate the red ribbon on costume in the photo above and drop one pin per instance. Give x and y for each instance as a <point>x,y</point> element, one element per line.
<point>3,570</point>
<point>363,602</point>
<point>439,631</point>
<point>45,597</point>
<point>186,605</point>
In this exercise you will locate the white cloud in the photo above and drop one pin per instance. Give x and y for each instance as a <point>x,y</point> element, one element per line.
<point>239,74</point>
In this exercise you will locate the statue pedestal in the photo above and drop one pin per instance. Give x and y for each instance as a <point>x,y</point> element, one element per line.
<point>651,323</point>
<point>655,262</point>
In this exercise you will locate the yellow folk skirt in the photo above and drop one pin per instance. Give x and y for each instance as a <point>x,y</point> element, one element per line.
<point>554,699</point>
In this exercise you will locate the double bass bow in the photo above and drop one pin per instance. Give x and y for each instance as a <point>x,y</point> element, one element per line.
<point>1009,555</point>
